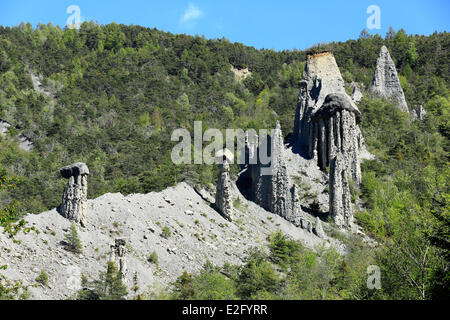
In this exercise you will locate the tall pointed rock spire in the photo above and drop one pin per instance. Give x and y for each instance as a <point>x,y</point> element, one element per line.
<point>385,83</point>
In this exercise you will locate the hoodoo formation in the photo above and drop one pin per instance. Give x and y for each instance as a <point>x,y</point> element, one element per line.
<point>385,83</point>
<point>319,230</point>
<point>326,117</point>
<point>335,126</point>
<point>326,130</point>
<point>224,201</point>
<point>320,78</point>
<point>341,210</point>
<point>118,257</point>
<point>271,186</point>
<point>74,200</point>
<point>282,196</point>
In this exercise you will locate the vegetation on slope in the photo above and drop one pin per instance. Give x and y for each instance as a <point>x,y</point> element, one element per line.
<point>117,92</point>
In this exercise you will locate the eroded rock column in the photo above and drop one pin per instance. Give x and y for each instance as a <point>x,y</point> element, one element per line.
<point>282,197</point>
<point>385,83</point>
<point>118,257</point>
<point>314,134</point>
<point>74,200</point>
<point>224,200</point>
<point>272,188</point>
<point>356,93</point>
<point>340,198</point>
<point>338,132</point>
<point>319,230</point>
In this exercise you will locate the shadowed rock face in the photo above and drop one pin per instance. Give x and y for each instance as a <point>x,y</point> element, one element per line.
<point>74,200</point>
<point>385,83</point>
<point>336,102</point>
<point>75,169</point>
<point>273,189</point>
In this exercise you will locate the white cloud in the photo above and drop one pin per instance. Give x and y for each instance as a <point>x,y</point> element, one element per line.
<point>191,14</point>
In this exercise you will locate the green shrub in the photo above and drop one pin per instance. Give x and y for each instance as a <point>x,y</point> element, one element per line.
<point>257,277</point>
<point>237,203</point>
<point>73,242</point>
<point>183,287</point>
<point>42,278</point>
<point>209,284</point>
<point>10,290</point>
<point>153,258</point>
<point>109,286</point>
<point>283,250</point>
<point>165,232</point>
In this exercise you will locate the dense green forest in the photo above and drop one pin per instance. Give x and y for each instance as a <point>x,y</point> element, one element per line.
<point>116,93</point>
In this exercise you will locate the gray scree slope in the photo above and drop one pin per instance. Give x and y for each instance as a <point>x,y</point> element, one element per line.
<point>198,233</point>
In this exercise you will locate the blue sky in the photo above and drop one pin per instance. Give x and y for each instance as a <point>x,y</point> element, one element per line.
<point>263,24</point>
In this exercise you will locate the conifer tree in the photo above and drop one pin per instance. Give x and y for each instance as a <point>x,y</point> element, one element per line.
<point>73,240</point>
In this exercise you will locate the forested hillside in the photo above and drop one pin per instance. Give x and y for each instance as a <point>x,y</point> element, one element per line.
<point>113,95</point>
